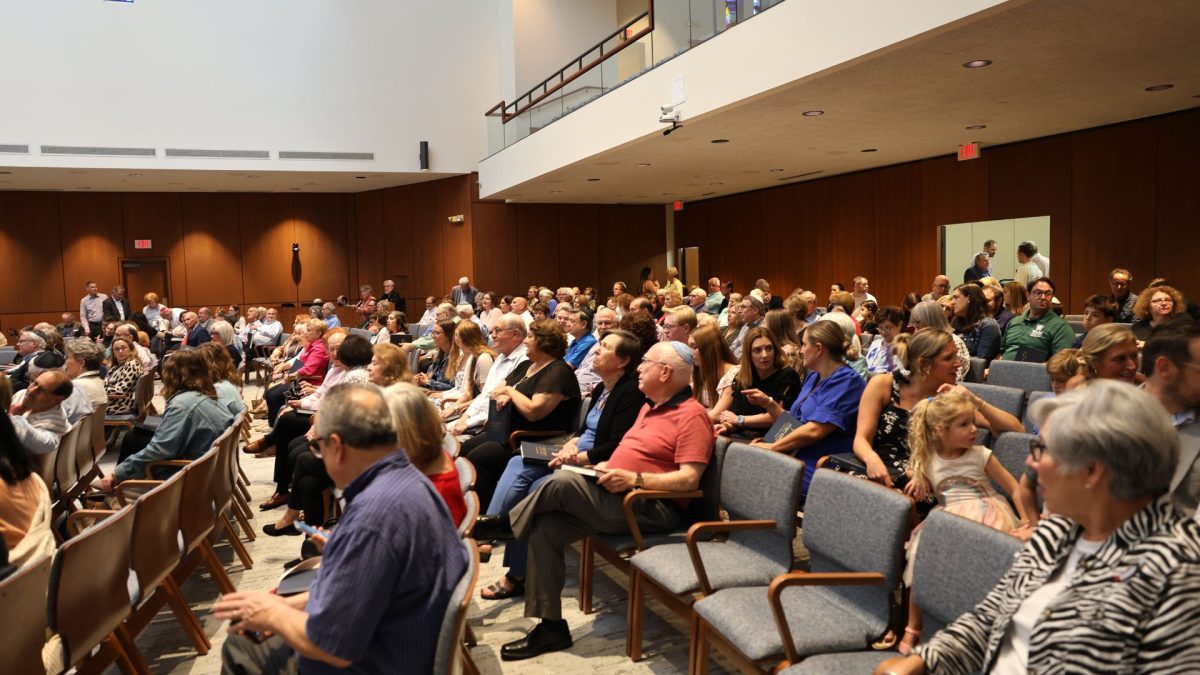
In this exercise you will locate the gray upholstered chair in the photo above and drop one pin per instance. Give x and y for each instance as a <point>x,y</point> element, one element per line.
<point>1020,374</point>
<point>1008,399</point>
<point>1034,397</point>
<point>1010,450</point>
<point>854,531</point>
<point>471,499</point>
<point>451,655</point>
<point>975,372</point>
<point>761,492</point>
<point>466,473</point>
<point>958,563</point>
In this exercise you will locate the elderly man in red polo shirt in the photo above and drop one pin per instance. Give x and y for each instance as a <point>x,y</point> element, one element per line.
<point>667,448</point>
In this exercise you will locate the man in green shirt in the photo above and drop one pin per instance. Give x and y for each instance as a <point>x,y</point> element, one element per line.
<point>1039,333</point>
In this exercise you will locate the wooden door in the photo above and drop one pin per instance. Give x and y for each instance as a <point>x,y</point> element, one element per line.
<point>143,275</point>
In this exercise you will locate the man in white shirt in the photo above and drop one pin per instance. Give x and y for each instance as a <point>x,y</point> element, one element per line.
<point>429,317</point>
<point>1028,270</point>
<point>37,413</point>
<point>860,294</point>
<point>939,287</point>
<point>268,329</point>
<point>520,307</point>
<point>715,301</point>
<point>91,310</point>
<point>508,339</point>
<point>84,358</point>
<point>1042,262</point>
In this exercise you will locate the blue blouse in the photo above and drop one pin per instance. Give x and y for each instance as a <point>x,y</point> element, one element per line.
<point>833,400</point>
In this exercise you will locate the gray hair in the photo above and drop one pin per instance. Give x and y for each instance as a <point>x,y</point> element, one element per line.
<point>464,310</point>
<point>224,330</point>
<point>512,321</point>
<point>329,306</point>
<point>1118,425</point>
<point>86,352</point>
<point>35,337</point>
<point>931,315</point>
<point>358,413</point>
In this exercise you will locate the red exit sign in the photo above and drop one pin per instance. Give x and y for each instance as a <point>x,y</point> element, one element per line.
<point>968,151</point>
<point>141,244</point>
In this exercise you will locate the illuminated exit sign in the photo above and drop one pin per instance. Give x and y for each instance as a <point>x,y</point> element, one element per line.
<point>141,244</point>
<point>968,151</point>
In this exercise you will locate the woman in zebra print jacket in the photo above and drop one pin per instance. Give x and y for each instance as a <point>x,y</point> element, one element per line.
<point>1111,582</point>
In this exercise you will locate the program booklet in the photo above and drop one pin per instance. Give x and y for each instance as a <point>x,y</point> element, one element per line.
<point>584,470</point>
<point>783,426</point>
<point>538,453</point>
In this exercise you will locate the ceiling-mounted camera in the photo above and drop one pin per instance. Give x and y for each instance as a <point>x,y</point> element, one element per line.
<point>670,114</point>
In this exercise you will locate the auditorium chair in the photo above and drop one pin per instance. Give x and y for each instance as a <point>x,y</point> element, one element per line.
<point>23,606</point>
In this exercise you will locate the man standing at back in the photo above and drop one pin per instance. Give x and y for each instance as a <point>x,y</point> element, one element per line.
<point>387,571</point>
<point>116,307</point>
<point>861,292</point>
<point>91,311</point>
<point>391,295</point>
<point>464,292</point>
<point>1039,333</point>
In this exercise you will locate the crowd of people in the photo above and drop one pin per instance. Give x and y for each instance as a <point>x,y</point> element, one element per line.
<point>639,387</point>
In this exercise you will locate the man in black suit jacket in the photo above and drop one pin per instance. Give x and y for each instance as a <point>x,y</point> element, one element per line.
<point>197,334</point>
<point>390,294</point>
<point>116,307</point>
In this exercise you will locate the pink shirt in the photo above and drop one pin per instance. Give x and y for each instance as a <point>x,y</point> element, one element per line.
<point>666,436</point>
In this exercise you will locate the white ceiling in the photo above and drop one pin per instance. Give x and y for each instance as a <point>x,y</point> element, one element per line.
<point>162,180</point>
<point>1057,66</point>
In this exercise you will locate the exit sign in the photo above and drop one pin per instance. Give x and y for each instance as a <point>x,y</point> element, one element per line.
<point>968,151</point>
<point>141,244</point>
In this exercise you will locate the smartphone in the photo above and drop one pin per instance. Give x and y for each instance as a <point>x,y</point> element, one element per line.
<point>308,529</point>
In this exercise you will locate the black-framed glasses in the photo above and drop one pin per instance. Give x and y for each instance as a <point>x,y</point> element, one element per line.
<point>1036,448</point>
<point>314,446</point>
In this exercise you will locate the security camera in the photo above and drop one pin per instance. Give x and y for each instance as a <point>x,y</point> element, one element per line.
<point>669,114</point>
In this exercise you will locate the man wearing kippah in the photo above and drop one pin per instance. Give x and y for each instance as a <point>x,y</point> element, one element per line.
<point>667,448</point>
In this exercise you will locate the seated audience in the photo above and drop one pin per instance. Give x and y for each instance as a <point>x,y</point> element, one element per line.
<point>223,334</point>
<point>939,287</point>
<point>37,412</point>
<point>1062,368</point>
<point>421,435</point>
<point>888,321</point>
<point>121,382</point>
<point>1122,295</point>
<point>491,309</point>
<point>1110,352</point>
<point>30,343</point>
<point>388,366</point>
<point>544,396</point>
<point>605,320</point>
<point>864,314</point>
<point>715,367</point>
<point>268,330</point>
<point>190,425</point>
<point>425,341</point>
<point>974,324</point>
<point>1038,333</point>
<point>68,328</point>
<point>1016,298</point>
<point>308,366</point>
<point>330,317</point>
<point>780,323</point>
<point>437,375</point>
<point>196,332</point>
<point>615,404</point>
<point>752,313</point>
<point>1170,361</point>
<point>827,406</point>
<point>471,364</point>
<point>1155,307</point>
<point>1108,583</point>
<point>854,356</point>
<point>996,308</point>
<point>579,327</point>
<point>1097,310</point>
<point>83,363</point>
<point>25,505</point>
<point>730,318</point>
<point>667,448</point>
<point>387,571</point>
<point>225,377</point>
<point>762,370</point>
<point>508,338</point>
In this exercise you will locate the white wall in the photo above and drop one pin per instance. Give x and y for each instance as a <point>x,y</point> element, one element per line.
<point>963,240</point>
<point>322,75</point>
<point>548,33</point>
<point>791,41</point>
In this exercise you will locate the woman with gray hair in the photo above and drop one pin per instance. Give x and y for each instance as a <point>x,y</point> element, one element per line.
<point>1109,583</point>
<point>223,334</point>
<point>929,314</point>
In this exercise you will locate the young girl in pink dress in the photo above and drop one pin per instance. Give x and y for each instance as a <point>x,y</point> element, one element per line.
<point>946,461</point>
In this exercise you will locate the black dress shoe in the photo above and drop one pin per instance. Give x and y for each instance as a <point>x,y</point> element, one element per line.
<point>492,528</point>
<point>287,531</point>
<point>547,636</point>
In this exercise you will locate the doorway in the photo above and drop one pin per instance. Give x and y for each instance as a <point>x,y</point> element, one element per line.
<point>140,276</point>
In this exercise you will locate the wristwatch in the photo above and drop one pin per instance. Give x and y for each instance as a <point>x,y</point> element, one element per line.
<point>741,420</point>
<point>639,482</point>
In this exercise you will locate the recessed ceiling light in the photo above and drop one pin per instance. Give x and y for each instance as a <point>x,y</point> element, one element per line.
<point>869,150</point>
<point>813,113</point>
<point>976,127</point>
<point>977,63</point>
<point>776,170</point>
<point>1160,87</point>
<point>643,164</point>
<point>360,177</point>
<point>5,173</point>
<point>593,180</point>
<point>720,140</point>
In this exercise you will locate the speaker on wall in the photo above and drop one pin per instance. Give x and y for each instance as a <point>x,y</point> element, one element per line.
<point>424,155</point>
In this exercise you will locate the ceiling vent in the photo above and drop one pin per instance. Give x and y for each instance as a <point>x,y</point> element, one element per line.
<point>88,150</point>
<point>353,156</point>
<point>14,149</point>
<point>219,154</point>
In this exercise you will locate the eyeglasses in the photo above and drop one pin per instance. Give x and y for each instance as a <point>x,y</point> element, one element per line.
<point>670,326</point>
<point>1037,293</point>
<point>1162,301</point>
<point>314,446</point>
<point>664,364</point>
<point>1036,448</point>
<point>497,331</point>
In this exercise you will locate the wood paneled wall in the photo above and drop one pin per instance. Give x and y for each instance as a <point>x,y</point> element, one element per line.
<point>1123,195</point>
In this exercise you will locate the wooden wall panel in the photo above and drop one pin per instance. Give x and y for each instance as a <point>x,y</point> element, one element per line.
<point>847,242</point>
<point>691,229</point>
<point>426,236</point>
<point>92,234</point>
<point>320,227</point>
<point>31,245</point>
<point>369,239</point>
<point>1112,204</point>
<point>814,210</point>
<point>458,256</point>
<point>1178,203</point>
<point>396,235</point>
<point>494,226</point>
<point>905,244</point>
<point>267,236</point>
<point>578,264</point>
<point>782,245</point>
<point>212,249</point>
<point>156,216</point>
<point>537,253</point>
<point>631,237</point>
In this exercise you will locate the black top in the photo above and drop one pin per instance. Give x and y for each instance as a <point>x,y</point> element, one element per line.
<point>974,273</point>
<point>557,377</point>
<point>783,386</point>
<point>617,416</point>
<point>396,300</point>
<point>108,309</point>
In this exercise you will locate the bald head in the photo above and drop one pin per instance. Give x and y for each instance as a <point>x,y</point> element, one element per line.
<point>941,286</point>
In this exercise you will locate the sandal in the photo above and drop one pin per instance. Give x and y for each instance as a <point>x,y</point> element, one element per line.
<point>497,591</point>
<point>277,500</point>
<point>905,648</point>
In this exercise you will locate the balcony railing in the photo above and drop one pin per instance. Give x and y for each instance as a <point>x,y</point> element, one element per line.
<point>666,29</point>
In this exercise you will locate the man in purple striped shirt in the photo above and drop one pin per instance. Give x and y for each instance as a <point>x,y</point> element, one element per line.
<point>387,572</point>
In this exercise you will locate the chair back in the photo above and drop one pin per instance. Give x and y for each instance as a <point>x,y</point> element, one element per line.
<point>757,485</point>
<point>222,484</point>
<point>144,394</point>
<point>91,446</point>
<point>1021,375</point>
<point>88,595</point>
<point>471,498</point>
<point>446,659</point>
<point>65,472</point>
<point>466,473</point>
<point>1034,397</point>
<point>154,551</point>
<point>196,502</point>
<point>958,562</point>
<point>361,332</point>
<point>975,372</point>
<point>1011,450</point>
<point>1008,399</point>
<point>855,525</point>
<point>23,606</point>
<point>708,507</point>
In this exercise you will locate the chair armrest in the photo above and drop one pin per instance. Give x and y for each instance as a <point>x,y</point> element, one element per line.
<point>164,462</point>
<point>73,526</point>
<point>642,495</point>
<point>712,526</point>
<point>120,488</point>
<point>789,579</point>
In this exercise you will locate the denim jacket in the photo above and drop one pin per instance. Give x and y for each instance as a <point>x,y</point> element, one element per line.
<point>190,425</point>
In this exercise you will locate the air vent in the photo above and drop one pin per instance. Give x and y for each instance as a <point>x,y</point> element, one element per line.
<point>15,149</point>
<point>87,150</point>
<point>799,175</point>
<point>355,156</point>
<point>219,154</point>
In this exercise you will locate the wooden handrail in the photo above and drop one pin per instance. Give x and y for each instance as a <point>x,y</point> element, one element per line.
<point>528,97</point>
